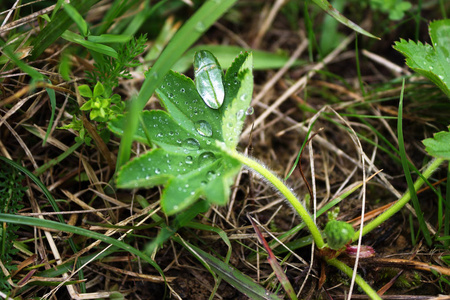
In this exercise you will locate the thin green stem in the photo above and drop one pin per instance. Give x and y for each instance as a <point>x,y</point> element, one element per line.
<point>359,280</point>
<point>402,201</point>
<point>283,189</point>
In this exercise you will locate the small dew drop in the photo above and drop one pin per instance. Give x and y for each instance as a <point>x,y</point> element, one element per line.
<point>240,114</point>
<point>170,95</point>
<point>243,97</point>
<point>250,110</point>
<point>182,90</point>
<point>171,133</point>
<point>210,175</point>
<point>203,128</point>
<point>157,171</point>
<point>189,160</point>
<point>200,27</point>
<point>160,135</point>
<point>178,141</point>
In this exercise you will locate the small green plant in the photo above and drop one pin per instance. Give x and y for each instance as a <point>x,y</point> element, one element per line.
<point>431,61</point>
<point>197,155</point>
<point>100,106</point>
<point>191,161</point>
<point>108,69</point>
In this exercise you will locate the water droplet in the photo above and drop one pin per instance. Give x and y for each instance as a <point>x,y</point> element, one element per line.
<point>191,144</point>
<point>157,171</point>
<point>182,90</point>
<point>162,86</point>
<point>178,141</point>
<point>243,97</point>
<point>441,77</point>
<point>240,114</point>
<point>250,111</point>
<point>200,27</point>
<point>160,135</point>
<point>204,182</point>
<point>170,95</point>
<point>210,175</point>
<point>203,128</point>
<point>171,133</point>
<point>189,160</point>
<point>206,157</point>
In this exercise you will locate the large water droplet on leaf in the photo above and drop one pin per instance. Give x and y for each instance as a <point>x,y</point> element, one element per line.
<point>206,157</point>
<point>191,144</point>
<point>203,128</point>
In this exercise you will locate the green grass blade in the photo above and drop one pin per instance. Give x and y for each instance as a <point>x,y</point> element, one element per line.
<point>406,170</point>
<point>183,39</point>
<point>57,160</point>
<point>241,282</point>
<point>77,18</point>
<point>57,26</point>
<point>30,221</point>
<point>78,39</point>
<point>329,9</point>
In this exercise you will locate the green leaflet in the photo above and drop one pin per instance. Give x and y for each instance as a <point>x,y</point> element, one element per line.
<point>431,61</point>
<point>190,162</point>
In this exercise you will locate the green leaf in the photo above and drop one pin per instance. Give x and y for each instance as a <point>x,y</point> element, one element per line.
<point>431,61</point>
<point>109,38</point>
<point>238,95</point>
<point>85,91</point>
<point>78,39</point>
<point>190,163</point>
<point>439,145</point>
<point>98,89</point>
<point>77,18</point>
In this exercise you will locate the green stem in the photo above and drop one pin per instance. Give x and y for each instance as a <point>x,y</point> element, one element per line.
<point>402,201</point>
<point>283,189</point>
<point>359,280</point>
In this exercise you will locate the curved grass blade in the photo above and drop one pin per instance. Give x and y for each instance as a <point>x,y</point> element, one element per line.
<point>329,9</point>
<point>57,26</point>
<point>30,221</point>
<point>406,170</point>
<point>238,280</point>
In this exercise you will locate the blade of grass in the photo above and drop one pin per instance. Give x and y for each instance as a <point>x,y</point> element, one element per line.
<point>30,221</point>
<point>404,160</point>
<point>231,275</point>
<point>50,33</point>
<point>282,278</point>
<point>183,39</point>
